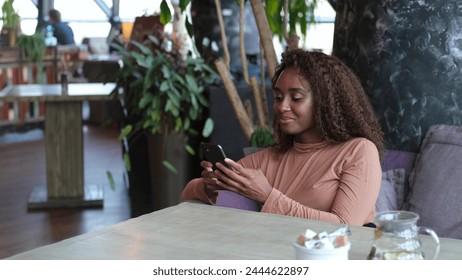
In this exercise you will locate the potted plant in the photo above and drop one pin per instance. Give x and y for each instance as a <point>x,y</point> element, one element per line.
<point>32,49</point>
<point>164,103</point>
<point>11,21</point>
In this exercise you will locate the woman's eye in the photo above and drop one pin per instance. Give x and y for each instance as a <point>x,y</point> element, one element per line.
<point>296,99</point>
<point>277,98</point>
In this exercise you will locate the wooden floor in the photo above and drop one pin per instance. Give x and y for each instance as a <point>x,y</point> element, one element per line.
<point>22,166</point>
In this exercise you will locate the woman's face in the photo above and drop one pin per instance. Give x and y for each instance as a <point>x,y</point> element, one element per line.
<point>294,106</point>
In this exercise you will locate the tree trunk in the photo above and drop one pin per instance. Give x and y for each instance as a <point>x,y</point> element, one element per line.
<point>244,120</point>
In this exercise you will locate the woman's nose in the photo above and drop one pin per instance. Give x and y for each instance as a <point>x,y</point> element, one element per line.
<point>284,105</point>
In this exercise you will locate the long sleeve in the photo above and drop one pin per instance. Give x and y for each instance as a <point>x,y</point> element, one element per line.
<point>338,182</point>
<point>195,190</point>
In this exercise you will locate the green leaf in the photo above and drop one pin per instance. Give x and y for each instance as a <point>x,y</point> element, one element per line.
<point>261,137</point>
<point>193,114</point>
<point>153,39</point>
<point>208,128</point>
<point>191,81</point>
<point>189,149</point>
<point>184,4</point>
<point>178,124</point>
<point>170,107</point>
<point>192,132</point>
<point>173,96</point>
<point>186,123</point>
<point>155,116</point>
<point>155,129</point>
<point>144,50</point>
<point>155,102</point>
<point>273,13</point>
<point>125,131</point>
<point>178,79</point>
<point>200,89</point>
<point>164,86</point>
<point>165,14</point>
<point>127,163</point>
<point>146,123</point>
<point>194,101</point>
<point>144,101</point>
<point>110,179</point>
<point>166,71</point>
<point>208,68</point>
<point>169,166</point>
<point>119,48</point>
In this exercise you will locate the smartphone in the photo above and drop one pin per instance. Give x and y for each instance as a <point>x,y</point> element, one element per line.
<point>214,153</point>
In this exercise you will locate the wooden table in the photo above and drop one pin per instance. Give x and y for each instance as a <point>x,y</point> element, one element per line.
<point>63,142</point>
<point>200,232</point>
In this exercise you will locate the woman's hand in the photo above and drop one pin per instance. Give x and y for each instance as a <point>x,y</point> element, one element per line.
<point>210,179</point>
<point>251,183</point>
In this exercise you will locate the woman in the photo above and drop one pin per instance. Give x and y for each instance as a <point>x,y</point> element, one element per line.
<point>325,164</point>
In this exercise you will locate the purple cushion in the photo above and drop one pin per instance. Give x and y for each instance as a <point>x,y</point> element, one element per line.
<point>391,195</point>
<point>394,159</point>
<point>436,189</point>
<point>233,200</point>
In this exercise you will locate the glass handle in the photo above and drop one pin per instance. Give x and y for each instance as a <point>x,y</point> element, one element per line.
<point>435,238</point>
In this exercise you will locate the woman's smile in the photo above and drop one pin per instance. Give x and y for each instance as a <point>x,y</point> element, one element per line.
<point>286,120</point>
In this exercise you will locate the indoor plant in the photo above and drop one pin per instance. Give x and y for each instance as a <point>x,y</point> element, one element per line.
<point>32,49</point>
<point>163,93</point>
<point>11,21</point>
<point>164,104</point>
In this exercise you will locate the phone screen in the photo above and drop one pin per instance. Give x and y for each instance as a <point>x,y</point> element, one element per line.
<point>214,153</point>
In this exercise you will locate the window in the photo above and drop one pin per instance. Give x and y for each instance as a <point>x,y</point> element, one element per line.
<point>128,11</point>
<point>320,36</point>
<point>87,19</point>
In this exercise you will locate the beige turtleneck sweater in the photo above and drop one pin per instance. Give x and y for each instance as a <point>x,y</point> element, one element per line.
<point>324,181</point>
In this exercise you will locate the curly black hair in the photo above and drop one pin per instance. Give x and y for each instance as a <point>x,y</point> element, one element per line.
<point>342,111</point>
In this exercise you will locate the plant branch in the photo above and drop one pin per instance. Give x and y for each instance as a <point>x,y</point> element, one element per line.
<point>245,71</point>
<point>258,101</point>
<point>262,84</point>
<point>252,82</point>
<point>239,110</point>
<point>223,34</point>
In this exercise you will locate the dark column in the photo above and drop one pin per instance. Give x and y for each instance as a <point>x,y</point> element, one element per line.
<point>409,56</point>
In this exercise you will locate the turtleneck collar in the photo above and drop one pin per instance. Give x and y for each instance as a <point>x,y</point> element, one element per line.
<point>309,147</point>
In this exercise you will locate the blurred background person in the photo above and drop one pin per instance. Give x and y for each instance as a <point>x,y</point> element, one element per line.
<point>61,30</point>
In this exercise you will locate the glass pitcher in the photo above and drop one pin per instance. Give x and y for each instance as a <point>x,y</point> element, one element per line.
<point>397,237</point>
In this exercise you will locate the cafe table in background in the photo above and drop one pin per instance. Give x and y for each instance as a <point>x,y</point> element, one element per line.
<point>63,142</point>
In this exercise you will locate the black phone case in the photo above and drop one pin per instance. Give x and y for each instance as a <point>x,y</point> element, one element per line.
<point>214,153</point>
